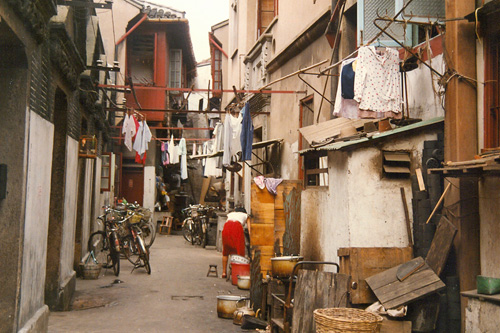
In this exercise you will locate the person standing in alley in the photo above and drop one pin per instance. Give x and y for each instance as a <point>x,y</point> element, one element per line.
<point>233,236</point>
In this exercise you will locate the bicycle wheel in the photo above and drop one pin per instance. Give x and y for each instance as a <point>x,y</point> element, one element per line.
<point>144,254</point>
<point>115,259</point>
<point>114,255</point>
<point>187,227</point>
<point>129,249</point>
<point>148,231</point>
<point>98,246</point>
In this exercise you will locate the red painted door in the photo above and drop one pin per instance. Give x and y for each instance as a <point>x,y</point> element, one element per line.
<point>133,185</point>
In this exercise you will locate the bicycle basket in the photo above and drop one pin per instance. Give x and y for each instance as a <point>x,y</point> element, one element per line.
<point>135,219</point>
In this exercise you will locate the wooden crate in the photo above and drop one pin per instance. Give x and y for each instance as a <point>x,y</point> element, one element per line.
<point>363,262</point>
<point>268,220</point>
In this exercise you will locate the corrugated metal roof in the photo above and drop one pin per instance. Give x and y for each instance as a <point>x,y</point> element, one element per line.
<point>377,136</point>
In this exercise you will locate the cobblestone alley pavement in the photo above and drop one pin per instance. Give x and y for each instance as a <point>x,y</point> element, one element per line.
<point>177,297</point>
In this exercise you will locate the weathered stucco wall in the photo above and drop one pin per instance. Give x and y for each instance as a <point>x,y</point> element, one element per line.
<point>41,134</point>
<point>285,108</point>
<point>481,317</point>
<point>149,188</point>
<point>70,202</point>
<point>13,137</point>
<point>489,230</point>
<point>361,208</point>
<point>294,17</point>
<point>87,204</point>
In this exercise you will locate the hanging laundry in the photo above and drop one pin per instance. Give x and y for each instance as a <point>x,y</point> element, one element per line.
<point>165,158</point>
<point>142,138</point>
<point>246,136</point>
<point>232,133</point>
<point>173,151</point>
<point>138,158</point>
<point>259,181</point>
<point>128,130</point>
<point>377,83</point>
<point>219,142</point>
<point>210,163</point>
<point>272,184</point>
<point>183,154</point>
<point>344,107</point>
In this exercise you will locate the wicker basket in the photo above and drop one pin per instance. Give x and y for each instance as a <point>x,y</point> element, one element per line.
<point>346,320</point>
<point>90,271</point>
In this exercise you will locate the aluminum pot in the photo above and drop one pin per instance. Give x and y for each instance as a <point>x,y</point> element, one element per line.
<point>227,305</point>
<point>243,282</point>
<point>240,312</point>
<point>282,267</point>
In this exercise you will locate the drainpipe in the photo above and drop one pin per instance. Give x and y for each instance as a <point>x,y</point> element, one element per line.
<point>144,17</point>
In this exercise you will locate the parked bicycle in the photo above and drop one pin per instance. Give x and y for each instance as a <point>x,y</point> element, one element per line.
<point>104,245</point>
<point>133,245</point>
<point>195,225</point>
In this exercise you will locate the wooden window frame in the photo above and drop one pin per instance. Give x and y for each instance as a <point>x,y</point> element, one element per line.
<point>317,155</point>
<point>108,177</point>
<point>260,28</point>
<point>302,105</point>
<point>216,83</point>
<point>172,83</point>
<point>492,93</point>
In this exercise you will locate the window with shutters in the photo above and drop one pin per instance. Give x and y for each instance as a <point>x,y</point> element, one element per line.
<point>175,68</point>
<point>407,34</point>
<point>141,58</point>
<point>216,71</point>
<point>267,10</point>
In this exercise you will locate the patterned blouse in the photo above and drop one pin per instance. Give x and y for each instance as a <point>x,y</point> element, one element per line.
<point>377,83</point>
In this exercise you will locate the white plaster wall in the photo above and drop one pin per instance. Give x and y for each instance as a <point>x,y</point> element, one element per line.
<point>70,208</point>
<point>422,99</point>
<point>294,17</point>
<point>149,187</point>
<point>98,196</point>
<point>41,138</point>
<point>489,201</point>
<point>362,209</point>
<point>376,215</point>
<point>481,316</point>
<point>87,204</point>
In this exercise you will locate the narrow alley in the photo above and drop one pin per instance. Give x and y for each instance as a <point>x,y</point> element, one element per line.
<point>177,296</point>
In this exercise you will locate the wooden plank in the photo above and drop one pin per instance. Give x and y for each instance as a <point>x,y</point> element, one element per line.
<point>441,245</point>
<point>393,293</point>
<point>395,326</point>
<point>304,295</point>
<point>284,189</point>
<point>361,263</point>
<point>415,295</point>
<point>420,178</point>
<point>262,234</point>
<point>339,291</point>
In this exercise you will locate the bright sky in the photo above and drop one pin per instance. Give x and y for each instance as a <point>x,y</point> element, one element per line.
<point>202,15</point>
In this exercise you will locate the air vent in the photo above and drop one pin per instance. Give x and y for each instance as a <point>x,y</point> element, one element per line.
<point>396,164</point>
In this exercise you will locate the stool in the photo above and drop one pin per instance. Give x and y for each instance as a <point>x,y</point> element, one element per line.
<point>212,269</point>
<point>167,223</point>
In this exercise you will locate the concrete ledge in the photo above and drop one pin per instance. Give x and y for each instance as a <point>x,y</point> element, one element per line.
<point>66,293</point>
<point>38,323</point>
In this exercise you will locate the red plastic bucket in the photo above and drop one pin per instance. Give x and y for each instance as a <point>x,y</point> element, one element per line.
<point>239,269</point>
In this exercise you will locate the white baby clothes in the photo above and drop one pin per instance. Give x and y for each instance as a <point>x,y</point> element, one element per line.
<point>232,133</point>
<point>142,139</point>
<point>128,130</point>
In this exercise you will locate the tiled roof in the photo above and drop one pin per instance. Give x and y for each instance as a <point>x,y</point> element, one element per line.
<point>154,10</point>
